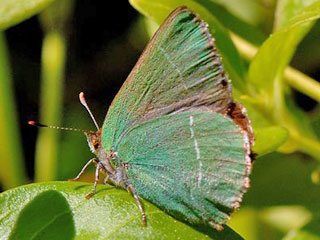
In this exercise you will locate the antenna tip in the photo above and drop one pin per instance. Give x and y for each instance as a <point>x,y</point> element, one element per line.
<point>84,103</point>
<point>82,99</point>
<point>32,123</point>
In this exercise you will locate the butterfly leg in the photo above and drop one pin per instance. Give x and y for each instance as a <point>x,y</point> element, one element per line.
<point>89,195</point>
<point>132,190</point>
<point>105,180</point>
<point>92,160</point>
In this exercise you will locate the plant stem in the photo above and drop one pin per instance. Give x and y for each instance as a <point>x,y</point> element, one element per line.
<point>54,23</point>
<point>309,146</point>
<point>295,78</point>
<point>53,64</point>
<point>303,83</point>
<point>12,171</point>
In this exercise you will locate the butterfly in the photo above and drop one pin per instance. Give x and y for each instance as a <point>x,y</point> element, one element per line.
<point>173,135</point>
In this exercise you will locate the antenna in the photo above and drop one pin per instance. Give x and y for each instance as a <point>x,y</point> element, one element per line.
<point>84,103</point>
<point>33,123</point>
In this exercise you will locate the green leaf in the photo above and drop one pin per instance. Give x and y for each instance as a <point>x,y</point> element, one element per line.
<point>232,22</point>
<point>269,139</point>
<point>15,11</point>
<point>267,67</point>
<point>283,180</point>
<point>286,9</point>
<point>158,10</point>
<point>309,232</point>
<point>267,85</point>
<point>285,218</point>
<point>281,200</point>
<point>59,210</point>
<point>252,12</point>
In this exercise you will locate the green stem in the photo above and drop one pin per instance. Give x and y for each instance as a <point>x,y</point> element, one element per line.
<point>309,146</point>
<point>12,171</point>
<point>295,78</point>
<point>53,64</point>
<point>303,83</point>
<point>54,23</point>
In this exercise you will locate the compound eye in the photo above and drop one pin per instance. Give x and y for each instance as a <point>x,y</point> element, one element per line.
<point>96,145</point>
<point>113,155</point>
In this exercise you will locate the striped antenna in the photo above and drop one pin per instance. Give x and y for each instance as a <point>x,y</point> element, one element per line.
<point>84,103</point>
<point>33,123</point>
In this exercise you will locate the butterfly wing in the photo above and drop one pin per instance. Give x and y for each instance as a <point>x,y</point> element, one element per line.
<point>178,70</point>
<point>193,165</point>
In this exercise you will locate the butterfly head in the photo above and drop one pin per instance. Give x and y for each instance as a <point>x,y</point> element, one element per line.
<point>93,138</point>
<point>94,141</point>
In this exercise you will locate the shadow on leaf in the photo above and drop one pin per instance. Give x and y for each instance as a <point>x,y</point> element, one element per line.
<point>47,216</point>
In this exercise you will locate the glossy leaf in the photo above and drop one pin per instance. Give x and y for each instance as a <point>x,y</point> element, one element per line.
<point>58,210</point>
<point>15,11</point>
<point>158,10</point>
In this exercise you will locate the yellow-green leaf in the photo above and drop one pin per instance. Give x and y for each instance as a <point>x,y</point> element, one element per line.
<point>15,11</point>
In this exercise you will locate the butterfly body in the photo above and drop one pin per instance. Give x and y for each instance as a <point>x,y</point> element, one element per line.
<point>173,135</point>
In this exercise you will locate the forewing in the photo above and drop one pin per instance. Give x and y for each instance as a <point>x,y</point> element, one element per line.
<point>178,70</point>
<point>193,165</point>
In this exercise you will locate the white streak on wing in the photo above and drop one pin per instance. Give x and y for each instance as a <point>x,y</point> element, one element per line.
<point>191,123</point>
<point>196,147</point>
<point>167,56</point>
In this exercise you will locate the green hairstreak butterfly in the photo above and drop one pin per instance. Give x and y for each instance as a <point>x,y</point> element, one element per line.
<point>173,134</point>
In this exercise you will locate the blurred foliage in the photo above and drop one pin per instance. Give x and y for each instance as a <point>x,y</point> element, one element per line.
<point>282,199</point>
<point>267,35</point>
<point>12,170</point>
